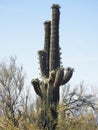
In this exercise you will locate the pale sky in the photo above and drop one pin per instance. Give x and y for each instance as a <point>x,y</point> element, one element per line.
<point>22,35</point>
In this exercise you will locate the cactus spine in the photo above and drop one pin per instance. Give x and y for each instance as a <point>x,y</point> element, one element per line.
<point>53,76</point>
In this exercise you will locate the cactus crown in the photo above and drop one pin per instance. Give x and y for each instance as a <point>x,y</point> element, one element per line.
<point>47,22</point>
<point>55,6</point>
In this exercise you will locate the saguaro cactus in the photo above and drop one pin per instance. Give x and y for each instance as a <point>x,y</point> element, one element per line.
<point>53,75</point>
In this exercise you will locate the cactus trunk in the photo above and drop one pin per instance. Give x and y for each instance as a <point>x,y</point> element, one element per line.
<point>54,41</point>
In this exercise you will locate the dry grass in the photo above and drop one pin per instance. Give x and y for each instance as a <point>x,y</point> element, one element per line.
<point>83,122</point>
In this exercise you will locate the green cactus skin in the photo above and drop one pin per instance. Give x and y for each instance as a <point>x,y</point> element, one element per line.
<point>52,74</point>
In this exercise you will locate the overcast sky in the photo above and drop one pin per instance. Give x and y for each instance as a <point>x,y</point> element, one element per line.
<point>22,35</point>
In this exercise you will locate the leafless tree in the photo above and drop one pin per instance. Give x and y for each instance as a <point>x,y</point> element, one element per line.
<point>11,86</point>
<point>77,102</point>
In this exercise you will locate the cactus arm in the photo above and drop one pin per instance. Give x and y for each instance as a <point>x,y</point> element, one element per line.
<point>47,30</point>
<point>68,75</point>
<point>42,62</point>
<point>59,77</point>
<point>52,76</point>
<point>36,85</point>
